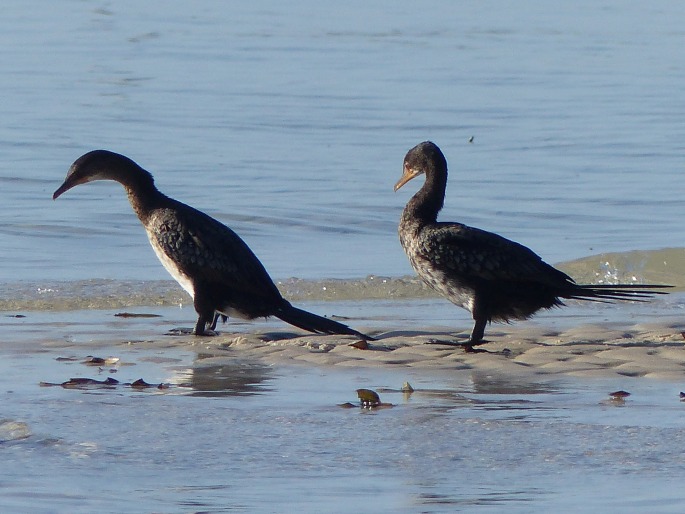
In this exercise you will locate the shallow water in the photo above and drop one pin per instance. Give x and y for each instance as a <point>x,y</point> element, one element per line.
<point>235,435</point>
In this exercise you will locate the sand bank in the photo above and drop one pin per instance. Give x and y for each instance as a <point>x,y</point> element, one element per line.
<point>655,350</point>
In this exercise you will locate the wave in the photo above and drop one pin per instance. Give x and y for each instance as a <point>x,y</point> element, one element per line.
<point>664,266</point>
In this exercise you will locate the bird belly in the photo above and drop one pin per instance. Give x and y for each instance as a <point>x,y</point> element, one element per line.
<point>456,292</point>
<point>233,313</point>
<point>184,280</point>
<point>453,291</point>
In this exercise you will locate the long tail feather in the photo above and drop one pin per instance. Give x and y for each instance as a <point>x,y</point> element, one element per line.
<point>314,323</point>
<point>623,292</point>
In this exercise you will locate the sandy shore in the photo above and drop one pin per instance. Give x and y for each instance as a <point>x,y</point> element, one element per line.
<point>655,350</point>
<point>597,341</point>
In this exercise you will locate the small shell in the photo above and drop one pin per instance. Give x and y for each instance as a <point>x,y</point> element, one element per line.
<point>368,397</point>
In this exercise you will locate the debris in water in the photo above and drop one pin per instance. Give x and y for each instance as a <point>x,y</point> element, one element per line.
<point>100,361</point>
<point>142,384</point>
<point>108,383</point>
<point>136,315</point>
<point>84,383</point>
<point>370,400</point>
<point>407,388</point>
<point>619,395</point>
<point>11,430</point>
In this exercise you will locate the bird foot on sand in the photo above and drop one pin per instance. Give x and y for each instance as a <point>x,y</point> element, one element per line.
<point>182,331</point>
<point>207,333</point>
<point>468,346</point>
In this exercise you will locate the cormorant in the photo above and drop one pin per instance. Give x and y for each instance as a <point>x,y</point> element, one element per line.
<point>492,277</point>
<point>210,261</point>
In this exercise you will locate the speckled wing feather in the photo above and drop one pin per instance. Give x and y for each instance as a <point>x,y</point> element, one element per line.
<point>209,251</point>
<point>476,254</point>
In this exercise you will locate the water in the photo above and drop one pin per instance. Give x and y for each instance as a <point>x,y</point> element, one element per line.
<point>289,123</point>
<point>234,435</point>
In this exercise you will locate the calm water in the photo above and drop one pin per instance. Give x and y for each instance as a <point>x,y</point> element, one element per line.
<point>231,435</point>
<point>289,123</point>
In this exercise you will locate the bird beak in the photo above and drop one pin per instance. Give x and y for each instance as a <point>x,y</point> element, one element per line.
<point>407,175</point>
<point>61,189</point>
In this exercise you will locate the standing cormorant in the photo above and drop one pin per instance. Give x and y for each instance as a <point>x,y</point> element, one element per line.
<point>492,277</point>
<point>206,258</point>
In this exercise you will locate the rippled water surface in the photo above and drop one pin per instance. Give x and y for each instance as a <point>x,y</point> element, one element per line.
<point>289,123</point>
<point>234,435</point>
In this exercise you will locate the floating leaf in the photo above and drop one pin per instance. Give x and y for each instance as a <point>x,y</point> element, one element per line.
<point>85,382</point>
<point>136,315</point>
<point>619,395</point>
<point>140,383</point>
<point>94,361</point>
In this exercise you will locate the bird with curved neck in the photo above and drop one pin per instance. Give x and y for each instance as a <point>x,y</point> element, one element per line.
<point>210,261</point>
<point>494,278</point>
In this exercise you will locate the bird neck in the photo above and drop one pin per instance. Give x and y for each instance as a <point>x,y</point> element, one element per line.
<point>427,202</point>
<point>142,193</point>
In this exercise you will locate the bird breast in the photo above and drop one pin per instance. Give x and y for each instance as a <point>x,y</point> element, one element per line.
<point>172,267</point>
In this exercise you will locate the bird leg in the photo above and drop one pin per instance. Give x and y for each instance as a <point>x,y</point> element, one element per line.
<point>201,325</point>
<point>224,318</point>
<point>206,315</point>
<point>476,338</point>
<point>478,331</point>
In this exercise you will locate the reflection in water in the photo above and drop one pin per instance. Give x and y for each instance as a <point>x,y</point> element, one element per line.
<point>479,496</point>
<point>486,383</point>
<point>213,376</point>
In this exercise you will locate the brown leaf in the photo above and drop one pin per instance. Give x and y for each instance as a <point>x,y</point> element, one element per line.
<point>360,345</point>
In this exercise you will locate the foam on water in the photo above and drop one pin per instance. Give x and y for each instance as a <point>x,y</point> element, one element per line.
<point>658,267</point>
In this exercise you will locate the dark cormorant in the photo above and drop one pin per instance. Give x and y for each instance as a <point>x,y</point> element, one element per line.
<point>206,258</point>
<point>492,277</point>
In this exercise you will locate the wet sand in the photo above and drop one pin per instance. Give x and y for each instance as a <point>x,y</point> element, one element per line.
<point>644,350</point>
<point>260,403</point>
<point>638,340</point>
